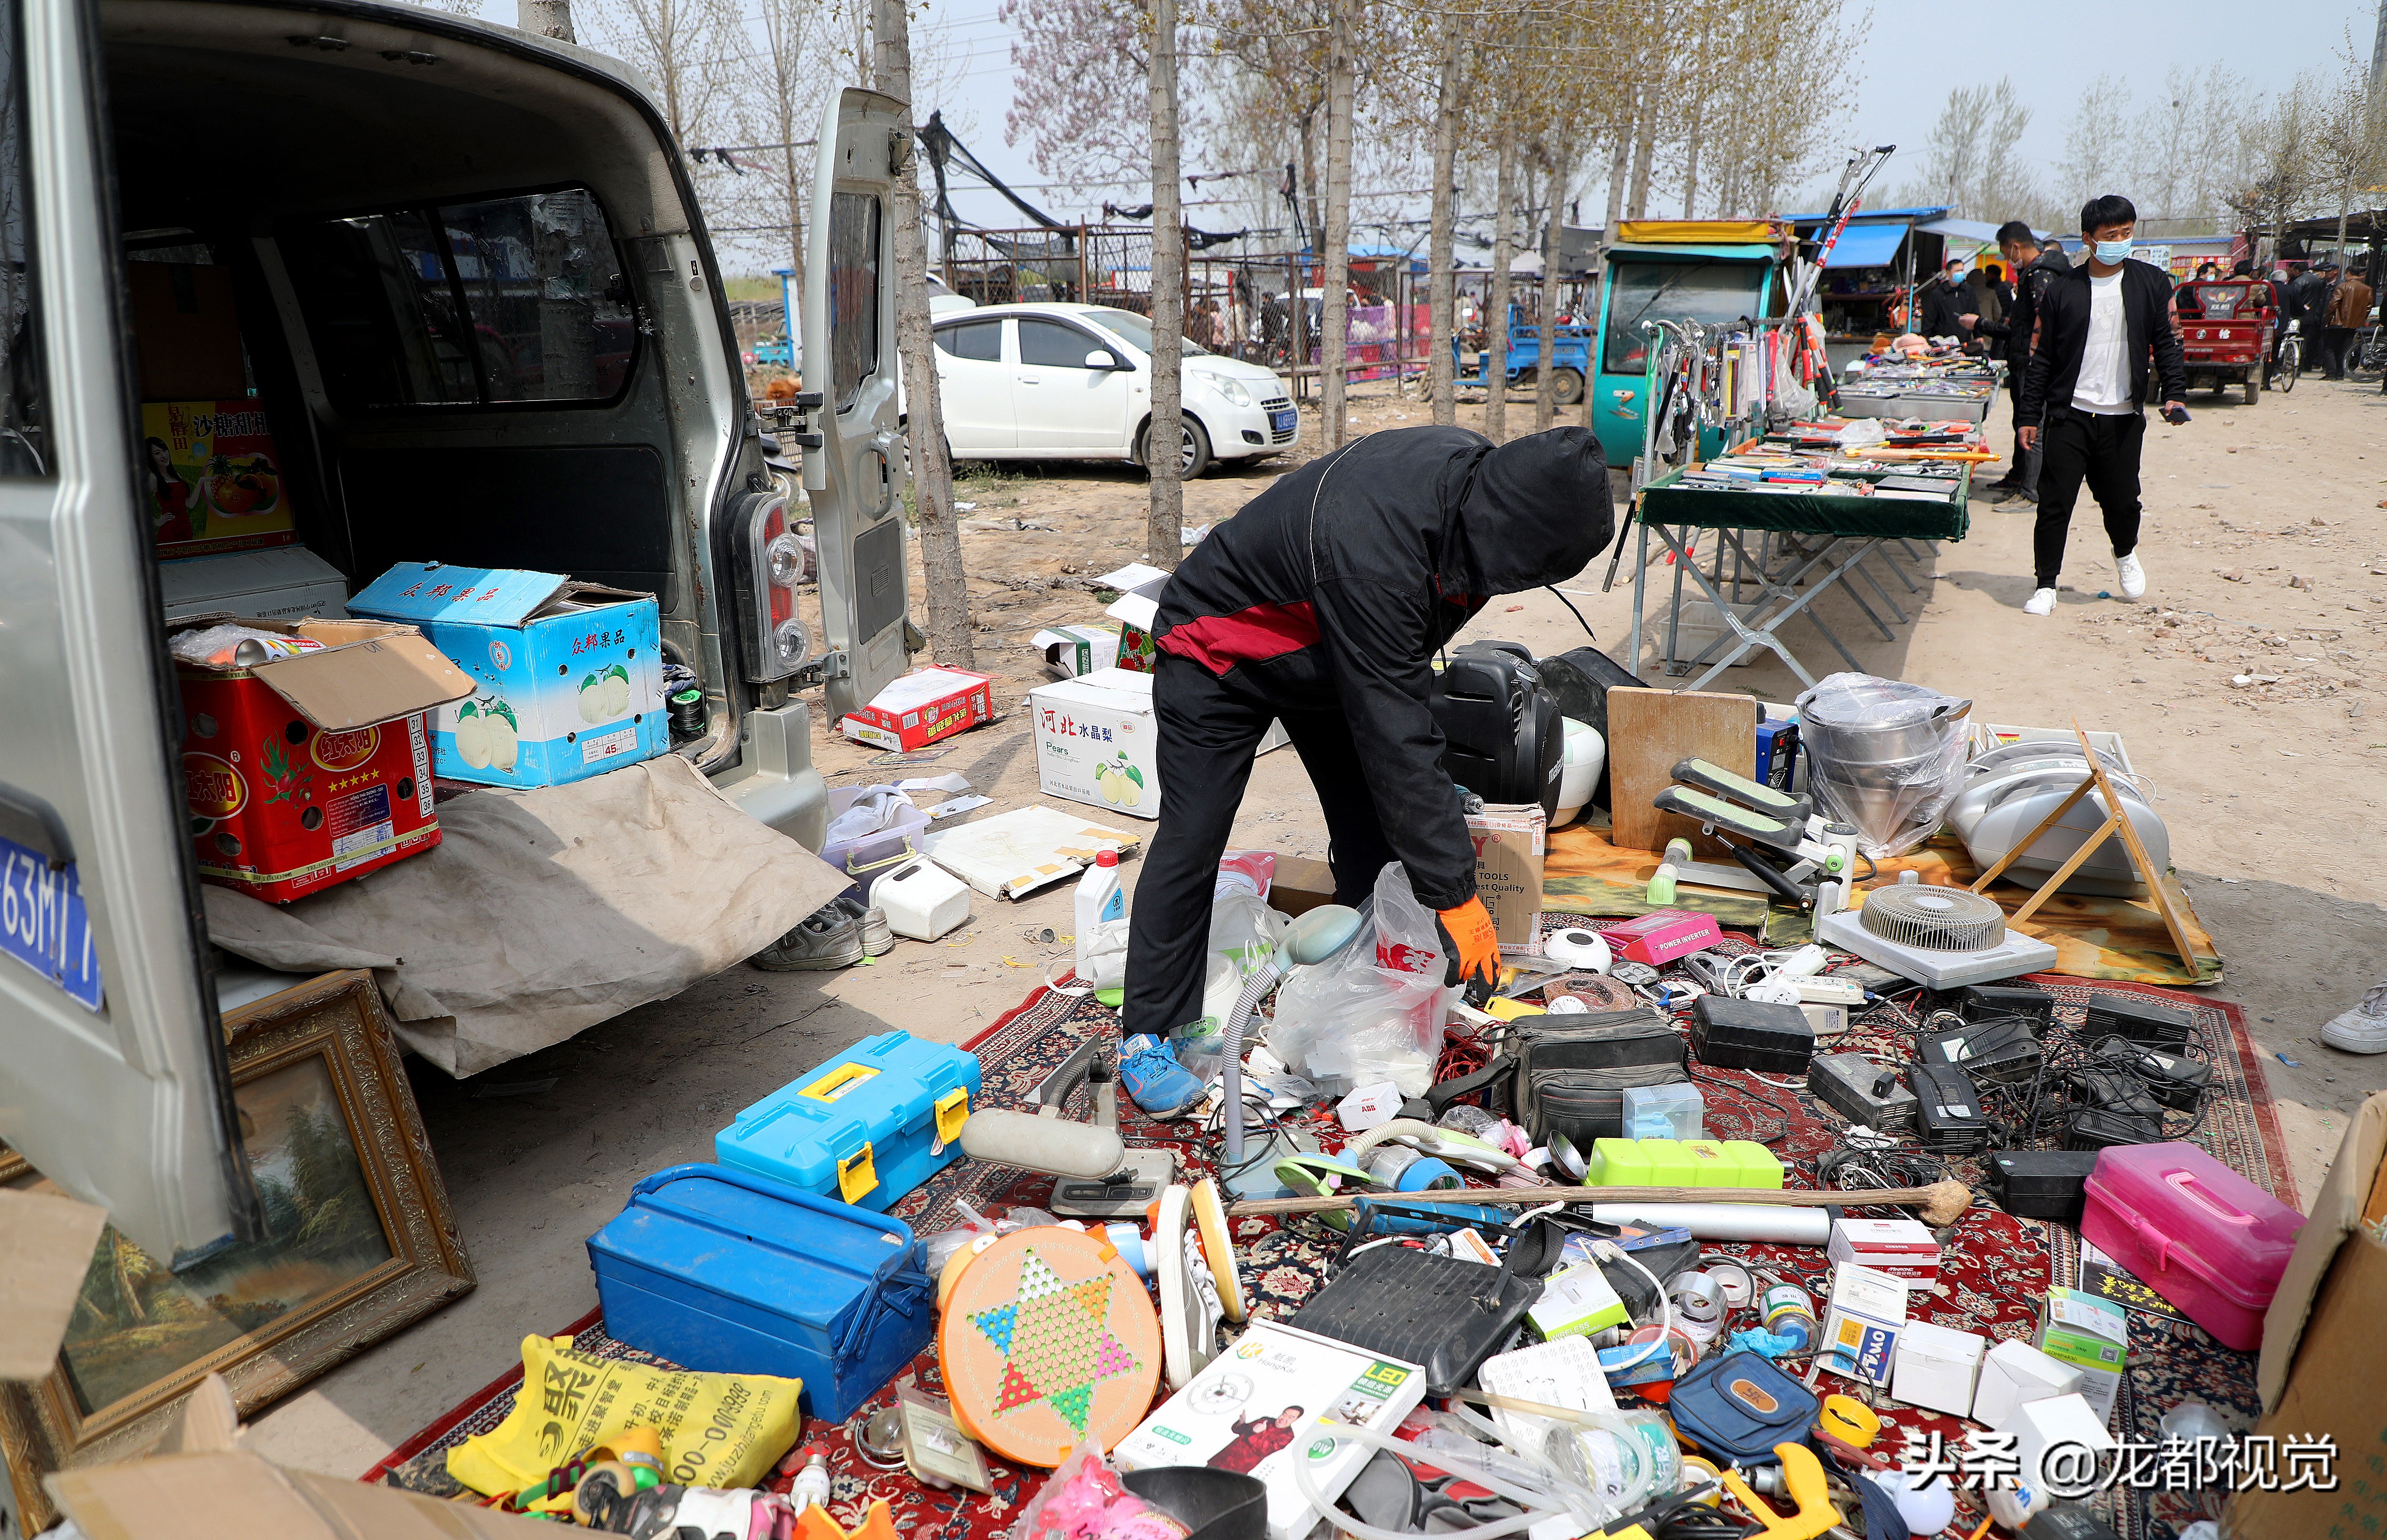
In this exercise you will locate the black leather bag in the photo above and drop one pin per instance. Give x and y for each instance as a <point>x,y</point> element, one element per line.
<point>1572,1070</point>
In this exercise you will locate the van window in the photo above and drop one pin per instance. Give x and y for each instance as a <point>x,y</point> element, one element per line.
<point>852,293</point>
<point>981,340</point>
<point>499,301</point>
<point>24,443</point>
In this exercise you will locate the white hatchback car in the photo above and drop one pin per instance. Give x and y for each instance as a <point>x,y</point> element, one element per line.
<point>1074,381</point>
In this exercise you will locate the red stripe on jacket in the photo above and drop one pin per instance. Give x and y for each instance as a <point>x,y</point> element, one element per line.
<point>1220,642</point>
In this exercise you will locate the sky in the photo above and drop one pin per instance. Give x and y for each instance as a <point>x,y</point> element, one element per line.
<point>2052,49</point>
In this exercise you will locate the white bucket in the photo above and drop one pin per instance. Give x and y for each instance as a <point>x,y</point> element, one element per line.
<point>921,900</point>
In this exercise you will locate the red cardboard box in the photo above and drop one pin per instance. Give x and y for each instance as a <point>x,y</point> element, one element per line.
<point>923,706</point>
<point>305,771</point>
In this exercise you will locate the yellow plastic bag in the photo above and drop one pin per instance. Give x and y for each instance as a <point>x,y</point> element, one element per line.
<point>718,1430</point>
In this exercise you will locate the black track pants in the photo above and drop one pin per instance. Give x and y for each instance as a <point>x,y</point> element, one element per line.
<point>1207,728</point>
<point>2101,450</point>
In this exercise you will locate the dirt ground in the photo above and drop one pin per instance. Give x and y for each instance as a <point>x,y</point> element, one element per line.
<point>2265,543</point>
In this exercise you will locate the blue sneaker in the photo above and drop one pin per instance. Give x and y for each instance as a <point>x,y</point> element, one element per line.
<point>1156,1082</point>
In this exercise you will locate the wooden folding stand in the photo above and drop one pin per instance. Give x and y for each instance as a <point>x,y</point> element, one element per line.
<point>2118,822</point>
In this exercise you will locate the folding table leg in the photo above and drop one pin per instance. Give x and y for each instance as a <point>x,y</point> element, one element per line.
<point>1875,582</point>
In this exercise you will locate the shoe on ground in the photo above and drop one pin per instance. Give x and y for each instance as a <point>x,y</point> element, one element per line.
<point>878,936</point>
<point>1154,1081</point>
<point>2015,494</point>
<point>2133,576</point>
<point>2041,602</point>
<point>828,938</point>
<point>2362,1029</point>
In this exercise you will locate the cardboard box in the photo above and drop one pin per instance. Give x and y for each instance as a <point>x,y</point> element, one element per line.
<point>1902,1248</point>
<point>277,582</point>
<point>922,707</point>
<point>305,771</point>
<point>2324,1356</point>
<point>1937,1367</point>
<point>1096,741</point>
<point>2015,1373</point>
<point>1862,1323</point>
<point>1271,1369</point>
<point>2040,1426</point>
<point>1076,651</point>
<point>1135,608</point>
<point>186,331</point>
<point>211,478</point>
<point>1576,1303</point>
<point>1511,841</point>
<point>567,677</point>
<point>2089,1335</point>
<point>1302,883</point>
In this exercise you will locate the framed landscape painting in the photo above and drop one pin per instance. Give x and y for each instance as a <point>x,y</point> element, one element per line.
<point>359,1243</point>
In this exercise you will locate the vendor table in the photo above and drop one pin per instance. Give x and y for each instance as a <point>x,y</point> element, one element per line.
<point>1805,545</point>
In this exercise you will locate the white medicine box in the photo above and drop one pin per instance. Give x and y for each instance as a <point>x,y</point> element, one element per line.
<point>1937,1367</point>
<point>2014,1374</point>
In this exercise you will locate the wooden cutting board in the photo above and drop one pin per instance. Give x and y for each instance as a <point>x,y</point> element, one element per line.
<point>1649,731</point>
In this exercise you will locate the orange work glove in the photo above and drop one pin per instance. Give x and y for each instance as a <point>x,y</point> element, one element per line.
<point>1474,948</point>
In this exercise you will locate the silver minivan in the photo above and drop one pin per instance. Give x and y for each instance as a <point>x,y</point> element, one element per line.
<point>368,174</point>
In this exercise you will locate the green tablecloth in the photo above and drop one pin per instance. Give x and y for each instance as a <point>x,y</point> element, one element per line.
<point>1662,502</point>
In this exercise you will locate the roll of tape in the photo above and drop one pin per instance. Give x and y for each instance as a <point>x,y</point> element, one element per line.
<point>1698,1305</point>
<point>1733,1282</point>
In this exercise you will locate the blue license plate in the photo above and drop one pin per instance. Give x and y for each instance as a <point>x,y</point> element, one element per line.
<point>1281,422</point>
<point>44,926</point>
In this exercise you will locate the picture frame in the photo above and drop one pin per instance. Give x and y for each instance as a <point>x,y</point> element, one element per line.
<point>361,1242</point>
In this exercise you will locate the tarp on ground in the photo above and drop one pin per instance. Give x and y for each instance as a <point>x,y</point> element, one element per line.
<point>542,912</point>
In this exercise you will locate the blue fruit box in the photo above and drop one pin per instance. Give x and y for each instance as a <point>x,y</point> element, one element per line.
<point>733,1273</point>
<point>567,676</point>
<point>865,1128</point>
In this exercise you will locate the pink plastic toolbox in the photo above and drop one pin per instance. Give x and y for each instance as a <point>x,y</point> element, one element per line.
<point>2196,1231</point>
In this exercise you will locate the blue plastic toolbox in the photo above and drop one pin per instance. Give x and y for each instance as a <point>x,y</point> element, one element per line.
<point>737,1274</point>
<point>866,1127</point>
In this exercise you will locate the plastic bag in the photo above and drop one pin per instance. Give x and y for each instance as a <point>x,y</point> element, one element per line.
<point>1883,755</point>
<point>718,1430</point>
<point>1370,1013</point>
<point>874,808</point>
<point>217,645</point>
<point>941,1246</point>
<point>1084,1499</point>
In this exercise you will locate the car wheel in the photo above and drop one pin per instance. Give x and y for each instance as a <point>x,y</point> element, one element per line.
<point>1566,386</point>
<point>1194,456</point>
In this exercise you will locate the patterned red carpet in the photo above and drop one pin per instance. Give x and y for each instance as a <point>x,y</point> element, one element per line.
<point>1995,1268</point>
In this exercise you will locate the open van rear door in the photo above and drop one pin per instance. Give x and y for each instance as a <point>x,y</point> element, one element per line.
<point>113,1079</point>
<point>855,474</point>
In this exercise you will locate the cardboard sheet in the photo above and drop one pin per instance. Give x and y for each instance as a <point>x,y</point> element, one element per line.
<point>46,1246</point>
<point>544,912</point>
<point>1020,851</point>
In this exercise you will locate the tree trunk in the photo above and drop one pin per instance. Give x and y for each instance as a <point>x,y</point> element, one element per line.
<point>1620,166</point>
<point>546,19</point>
<point>1336,247</point>
<point>1496,308</point>
<point>1645,148</point>
<point>1165,524</point>
<point>1691,163</point>
<point>932,467</point>
<point>1441,371</point>
<point>1545,378</point>
<point>1308,191</point>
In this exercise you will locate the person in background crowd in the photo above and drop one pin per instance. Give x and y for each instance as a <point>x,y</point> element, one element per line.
<point>1945,307</point>
<point>2308,303</point>
<point>2185,298</point>
<point>2349,311</point>
<point>2103,325</point>
<point>2034,267</point>
<point>1982,291</point>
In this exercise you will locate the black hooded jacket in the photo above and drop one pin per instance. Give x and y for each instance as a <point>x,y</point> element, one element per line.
<point>1334,590</point>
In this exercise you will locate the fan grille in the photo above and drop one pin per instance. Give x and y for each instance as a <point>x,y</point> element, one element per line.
<point>1940,919</point>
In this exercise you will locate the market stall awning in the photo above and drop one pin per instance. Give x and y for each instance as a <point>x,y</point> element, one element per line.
<point>1867,245</point>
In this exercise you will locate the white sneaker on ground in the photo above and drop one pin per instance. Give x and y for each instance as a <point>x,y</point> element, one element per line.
<point>2362,1028</point>
<point>2040,603</point>
<point>2133,576</point>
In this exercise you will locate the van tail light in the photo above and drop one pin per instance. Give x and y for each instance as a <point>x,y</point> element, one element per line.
<point>774,641</point>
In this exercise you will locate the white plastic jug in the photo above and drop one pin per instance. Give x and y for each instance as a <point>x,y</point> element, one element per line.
<point>1102,924</point>
<point>921,900</point>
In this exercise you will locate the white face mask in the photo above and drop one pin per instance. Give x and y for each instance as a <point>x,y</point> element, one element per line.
<point>2112,253</point>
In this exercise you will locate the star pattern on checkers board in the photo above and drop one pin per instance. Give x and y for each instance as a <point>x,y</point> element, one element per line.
<point>1047,1334</point>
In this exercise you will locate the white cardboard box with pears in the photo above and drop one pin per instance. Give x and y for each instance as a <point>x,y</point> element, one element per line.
<point>1096,741</point>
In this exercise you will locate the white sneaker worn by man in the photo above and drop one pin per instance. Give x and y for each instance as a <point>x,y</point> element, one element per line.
<point>2133,576</point>
<point>2041,603</point>
<point>2362,1028</point>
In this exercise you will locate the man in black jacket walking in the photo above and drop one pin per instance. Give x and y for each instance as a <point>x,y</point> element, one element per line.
<point>1322,605</point>
<point>2035,267</point>
<point>2099,325</point>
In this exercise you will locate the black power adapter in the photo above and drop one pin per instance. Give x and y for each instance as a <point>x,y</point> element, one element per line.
<point>2116,1090</point>
<point>2098,1128</point>
<point>2177,1083</point>
<point>1948,1109</point>
<point>2000,1051</point>
<point>1991,1002</point>
<point>2042,1184</point>
<point>1862,1090</point>
<point>1751,1034</point>
<point>2140,1020</point>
